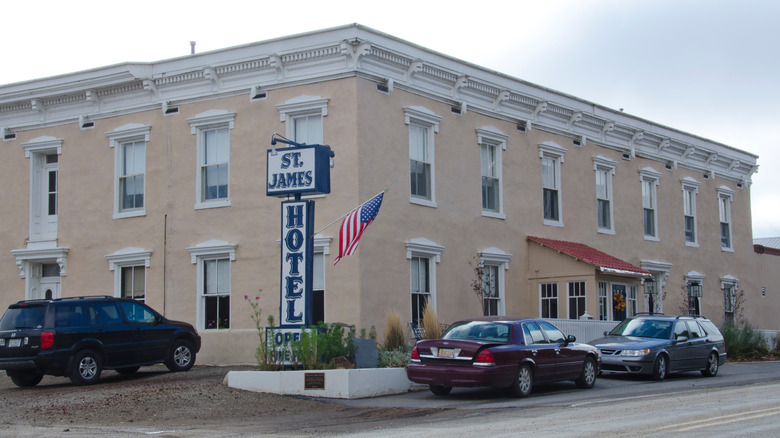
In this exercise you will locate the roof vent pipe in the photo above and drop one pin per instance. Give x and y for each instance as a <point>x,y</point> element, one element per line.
<point>192,47</point>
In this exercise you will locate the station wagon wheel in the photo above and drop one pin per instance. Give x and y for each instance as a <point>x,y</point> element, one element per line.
<point>524,382</point>
<point>588,377</point>
<point>25,379</point>
<point>181,356</point>
<point>440,389</point>
<point>87,366</point>
<point>712,366</point>
<point>660,368</point>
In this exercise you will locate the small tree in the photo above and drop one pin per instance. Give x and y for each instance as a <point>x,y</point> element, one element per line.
<point>480,284</point>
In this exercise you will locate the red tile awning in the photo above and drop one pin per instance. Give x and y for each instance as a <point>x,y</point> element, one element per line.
<point>601,260</point>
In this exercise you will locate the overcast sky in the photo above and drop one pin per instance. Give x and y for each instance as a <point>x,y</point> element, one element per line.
<point>711,68</point>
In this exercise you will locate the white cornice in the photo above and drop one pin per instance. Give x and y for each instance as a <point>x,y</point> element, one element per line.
<point>355,50</point>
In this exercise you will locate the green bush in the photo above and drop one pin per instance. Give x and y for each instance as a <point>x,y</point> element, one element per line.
<point>743,342</point>
<point>392,358</point>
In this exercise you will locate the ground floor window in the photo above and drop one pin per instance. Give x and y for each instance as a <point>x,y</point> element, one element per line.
<point>548,295</point>
<point>491,297</point>
<point>216,293</point>
<point>421,286</point>
<point>133,283</point>
<point>576,299</point>
<point>603,301</point>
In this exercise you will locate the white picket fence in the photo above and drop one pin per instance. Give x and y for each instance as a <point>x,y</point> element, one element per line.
<point>583,330</point>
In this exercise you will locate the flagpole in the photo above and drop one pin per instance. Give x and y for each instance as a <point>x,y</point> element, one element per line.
<point>347,213</point>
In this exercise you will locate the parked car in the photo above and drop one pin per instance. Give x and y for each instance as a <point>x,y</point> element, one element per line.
<point>657,345</point>
<point>79,337</point>
<point>502,352</point>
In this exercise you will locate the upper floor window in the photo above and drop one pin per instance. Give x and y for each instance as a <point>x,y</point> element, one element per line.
<point>725,195</point>
<point>213,157</point>
<point>303,117</point>
<point>649,179</point>
<point>690,188</point>
<point>491,142</point>
<point>423,124</point>
<point>604,168</point>
<point>129,143</point>
<point>552,157</point>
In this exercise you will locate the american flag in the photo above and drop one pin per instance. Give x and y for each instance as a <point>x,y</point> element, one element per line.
<point>355,223</point>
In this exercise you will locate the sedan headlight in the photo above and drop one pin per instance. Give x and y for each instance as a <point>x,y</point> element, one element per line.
<point>634,353</point>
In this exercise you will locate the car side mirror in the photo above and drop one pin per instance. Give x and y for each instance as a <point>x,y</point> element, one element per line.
<point>606,332</point>
<point>681,339</point>
<point>571,339</point>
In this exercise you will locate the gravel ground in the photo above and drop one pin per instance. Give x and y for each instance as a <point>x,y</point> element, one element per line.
<point>195,403</point>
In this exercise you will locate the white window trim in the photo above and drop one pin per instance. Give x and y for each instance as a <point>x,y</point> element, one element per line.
<point>690,184</point>
<point>302,106</point>
<point>726,193</point>
<point>212,119</point>
<point>692,277</point>
<point>733,282</point>
<point>36,150</point>
<point>604,164</point>
<point>424,117</point>
<point>424,248</point>
<point>125,258</point>
<point>650,175</point>
<point>125,134</point>
<point>212,249</point>
<point>492,136</point>
<point>497,257</point>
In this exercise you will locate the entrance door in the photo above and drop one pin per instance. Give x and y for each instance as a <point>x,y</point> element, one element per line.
<point>619,302</point>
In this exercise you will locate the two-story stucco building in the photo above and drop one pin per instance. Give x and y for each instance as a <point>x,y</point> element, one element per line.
<point>148,180</point>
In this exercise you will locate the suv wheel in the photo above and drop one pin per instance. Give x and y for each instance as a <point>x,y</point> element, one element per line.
<point>712,366</point>
<point>660,368</point>
<point>25,379</point>
<point>87,366</point>
<point>181,357</point>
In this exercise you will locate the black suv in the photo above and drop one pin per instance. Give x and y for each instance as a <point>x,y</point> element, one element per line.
<point>657,344</point>
<point>79,337</point>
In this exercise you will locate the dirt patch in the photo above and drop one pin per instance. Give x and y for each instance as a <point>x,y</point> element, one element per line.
<point>192,401</point>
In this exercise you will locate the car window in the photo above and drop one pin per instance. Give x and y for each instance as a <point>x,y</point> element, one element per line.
<point>23,317</point>
<point>533,334</point>
<point>137,312</point>
<point>71,315</point>
<point>694,330</point>
<point>709,328</point>
<point>681,329</point>
<point>107,312</point>
<point>553,334</point>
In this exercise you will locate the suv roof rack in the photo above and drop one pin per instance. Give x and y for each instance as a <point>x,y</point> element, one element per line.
<point>691,316</point>
<point>649,314</point>
<point>84,297</point>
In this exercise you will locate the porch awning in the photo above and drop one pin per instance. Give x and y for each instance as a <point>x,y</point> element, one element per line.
<point>600,260</point>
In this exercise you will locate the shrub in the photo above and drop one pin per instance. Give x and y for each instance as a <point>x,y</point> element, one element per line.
<point>395,338</point>
<point>743,342</point>
<point>392,359</point>
<point>432,328</point>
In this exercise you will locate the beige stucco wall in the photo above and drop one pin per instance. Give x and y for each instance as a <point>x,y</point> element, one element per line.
<point>366,130</point>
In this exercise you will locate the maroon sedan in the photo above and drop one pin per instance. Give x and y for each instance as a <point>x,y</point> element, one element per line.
<point>502,352</point>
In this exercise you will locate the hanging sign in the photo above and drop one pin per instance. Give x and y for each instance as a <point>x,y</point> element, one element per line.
<point>299,169</point>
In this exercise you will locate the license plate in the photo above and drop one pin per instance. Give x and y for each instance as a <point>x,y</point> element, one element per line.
<point>14,342</point>
<point>446,352</point>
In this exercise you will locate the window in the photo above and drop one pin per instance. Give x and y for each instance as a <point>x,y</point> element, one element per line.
<point>137,313</point>
<point>725,195</point>
<point>216,293</point>
<point>533,334</point>
<point>690,188</point>
<point>303,117</point>
<point>649,179</point>
<point>423,124</point>
<point>213,157</point>
<point>213,283</point>
<point>421,287</point>
<point>321,249</point>
<point>133,282</point>
<point>576,290</point>
<point>44,191</point>
<point>491,143</point>
<point>548,293</point>
<point>603,301</point>
<point>730,305</point>
<point>129,266</point>
<point>554,335</point>
<point>494,263</point>
<point>552,157</point>
<point>694,282</point>
<point>604,168</point>
<point>631,303</point>
<point>129,143</point>
<point>423,256</point>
